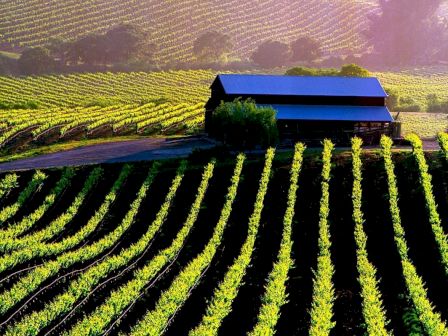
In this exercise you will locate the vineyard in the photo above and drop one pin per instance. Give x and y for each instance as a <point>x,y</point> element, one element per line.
<point>174,26</point>
<point>99,105</point>
<point>312,243</point>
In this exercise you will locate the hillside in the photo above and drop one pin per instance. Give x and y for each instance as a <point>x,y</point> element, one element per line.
<point>103,105</point>
<point>205,246</point>
<point>176,24</point>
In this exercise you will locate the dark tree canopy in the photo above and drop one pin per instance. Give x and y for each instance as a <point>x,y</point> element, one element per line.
<point>349,70</point>
<point>120,44</point>
<point>243,124</point>
<point>305,49</point>
<point>212,47</point>
<point>406,31</point>
<point>272,54</point>
<point>35,61</point>
<point>126,41</point>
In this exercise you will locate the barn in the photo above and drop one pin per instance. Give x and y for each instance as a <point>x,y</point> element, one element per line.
<point>311,108</point>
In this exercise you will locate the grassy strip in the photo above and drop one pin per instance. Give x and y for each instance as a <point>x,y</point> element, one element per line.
<point>8,183</point>
<point>26,285</point>
<point>434,218</point>
<point>323,291</point>
<point>125,295</point>
<point>372,305</point>
<point>443,142</point>
<point>275,293</point>
<point>33,323</point>
<point>430,319</point>
<point>56,225</point>
<point>221,303</point>
<point>35,183</point>
<point>40,249</point>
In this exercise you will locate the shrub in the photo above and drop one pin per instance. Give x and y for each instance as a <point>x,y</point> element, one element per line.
<point>244,124</point>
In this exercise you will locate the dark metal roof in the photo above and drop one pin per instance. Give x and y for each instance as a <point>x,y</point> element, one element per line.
<point>333,113</point>
<point>236,84</point>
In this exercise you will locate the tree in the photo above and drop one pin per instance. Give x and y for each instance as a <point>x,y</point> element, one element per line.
<point>305,49</point>
<point>349,70</point>
<point>212,47</point>
<point>272,54</point>
<point>35,61</point>
<point>243,124</point>
<point>58,49</point>
<point>353,70</point>
<point>407,31</point>
<point>120,44</point>
<point>127,41</point>
<point>91,49</point>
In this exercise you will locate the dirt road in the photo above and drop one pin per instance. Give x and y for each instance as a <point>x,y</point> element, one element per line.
<point>125,151</point>
<point>133,151</point>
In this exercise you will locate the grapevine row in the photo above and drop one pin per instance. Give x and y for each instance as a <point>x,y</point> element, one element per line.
<point>33,323</point>
<point>220,304</point>
<point>57,225</point>
<point>275,290</point>
<point>323,290</point>
<point>430,319</point>
<point>372,305</point>
<point>434,217</point>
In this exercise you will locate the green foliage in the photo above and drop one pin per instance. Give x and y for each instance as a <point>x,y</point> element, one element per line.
<point>431,205</point>
<point>29,221</point>
<point>372,305</point>
<point>84,284</point>
<point>212,47</point>
<point>271,54</point>
<point>353,70</point>
<point>430,319</point>
<point>305,49</point>
<point>443,142</point>
<point>36,277</point>
<point>349,70</point>
<point>53,228</point>
<point>120,298</point>
<point>323,290</point>
<point>220,304</point>
<point>303,71</point>
<point>243,124</point>
<point>275,290</point>
<point>35,61</point>
<point>34,185</point>
<point>170,301</point>
<point>8,183</point>
<point>26,105</point>
<point>436,105</point>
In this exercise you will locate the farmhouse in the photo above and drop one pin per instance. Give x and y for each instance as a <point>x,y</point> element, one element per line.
<point>311,108</point>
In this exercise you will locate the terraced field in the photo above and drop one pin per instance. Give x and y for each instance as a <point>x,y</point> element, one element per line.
<point>317,242</point>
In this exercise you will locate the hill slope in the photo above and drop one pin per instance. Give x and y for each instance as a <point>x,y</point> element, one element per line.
<point>176,24</point>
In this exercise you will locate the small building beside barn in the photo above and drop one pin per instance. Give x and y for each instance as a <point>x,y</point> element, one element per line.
<point>311,108</point>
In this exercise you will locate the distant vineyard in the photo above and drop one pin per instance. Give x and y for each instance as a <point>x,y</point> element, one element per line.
<point>308,245</point>
<point>59,124</point>
<point>109,104</point>
<point>111,88</point>
<point>175,25</point>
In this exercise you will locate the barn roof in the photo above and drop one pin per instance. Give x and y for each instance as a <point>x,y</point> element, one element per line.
<point>237,84</point>
<point>333,113</point>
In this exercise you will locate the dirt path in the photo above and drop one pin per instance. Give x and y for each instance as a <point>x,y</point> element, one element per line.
<point>125,151</point>
<point>133,151</point>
